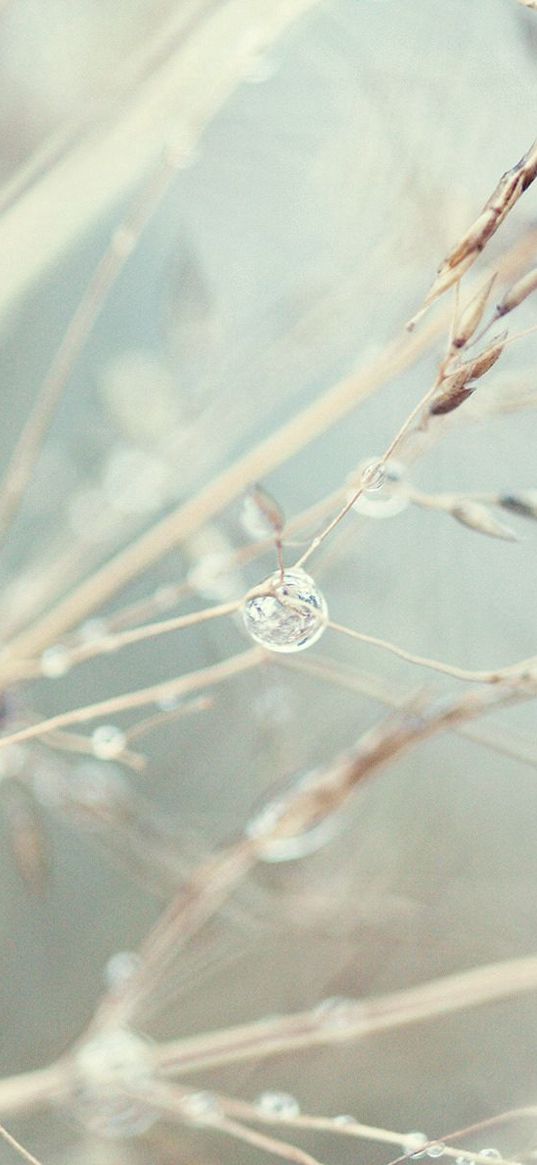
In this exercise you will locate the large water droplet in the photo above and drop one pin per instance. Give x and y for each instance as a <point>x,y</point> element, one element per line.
<point>113,1084</point>
<point>290,616</point>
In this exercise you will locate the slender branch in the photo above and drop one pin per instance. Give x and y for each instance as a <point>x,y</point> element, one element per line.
<point>356,1020</point>
<point>175,528</point>
<point>123,242</point>
<point>350,1128</point>
<point>11,1140</point>
<point>273,1145</point>
<point>303,807</point>
<point>191,682</point>
<point>495,738</point>
<point>459,673</point>
<point>114,642</point>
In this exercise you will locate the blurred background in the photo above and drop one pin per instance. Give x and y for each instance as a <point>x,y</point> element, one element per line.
<point>325,155</point>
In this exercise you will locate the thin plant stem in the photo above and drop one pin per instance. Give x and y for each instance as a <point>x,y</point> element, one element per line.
<point>360,1019</point>
<point>498,740</point>
<point>16,1145</point>
<point>191,682</point>
<point>332,406</point>
<point>352,1128</point>
<point>110,643</point>
<point>459,673</point>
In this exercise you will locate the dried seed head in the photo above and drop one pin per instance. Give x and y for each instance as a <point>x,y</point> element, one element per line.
<point>472,315</point>
<point>518,292</point>
<point>450,399</point>
<point>477,367</point>
<point>524,504</point>
<point>457,387</point>
<point>265,513</point>
<point>509,189</point>
<point>479,518</point>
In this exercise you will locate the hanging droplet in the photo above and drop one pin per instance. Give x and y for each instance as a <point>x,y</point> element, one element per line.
<point>278,1104</point>
<point>492,1154</point>
<point>114,1073</point>
<point>93,631</point>
<point>120,968</point>
<point>108,741</point>
<point>437,1149</point>
<point>200,1107</point>
<point>381,497</point>
<point>413,1144</point>
<point>373,476</point>
<point>344,1120</point>
<point>297,845</point>
<point>55,661</point>
<point>290,616</point>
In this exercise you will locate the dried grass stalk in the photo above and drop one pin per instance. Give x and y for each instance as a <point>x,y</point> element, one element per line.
<point>479,518</point>
<point>511,186</point>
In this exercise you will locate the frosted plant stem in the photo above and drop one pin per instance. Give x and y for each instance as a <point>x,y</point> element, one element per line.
<point>16,1145</point>
<point>180,685</point>
<point>458,673</point>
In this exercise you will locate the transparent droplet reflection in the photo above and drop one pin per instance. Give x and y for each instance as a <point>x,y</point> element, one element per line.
<point>290,616</point>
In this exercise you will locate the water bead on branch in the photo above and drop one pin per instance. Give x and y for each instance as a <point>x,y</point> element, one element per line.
<point>381,497</point>
<point>286,613</point>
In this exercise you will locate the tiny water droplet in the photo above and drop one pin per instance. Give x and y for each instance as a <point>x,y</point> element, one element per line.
<point>414,1142</point>
<point>381,497</point>
<point>437,1149</point>
<point>373,476</point>
<point>55,661</point>
<point>344,1120</point>
<point>120,968</point>
<point>201,1107</point>
<point>337,1013</point>
<point>492,1154</point>
<point>92,631</point>
<point>278,1104</point>
<point>107,741</point>
<point>114,1073</point>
